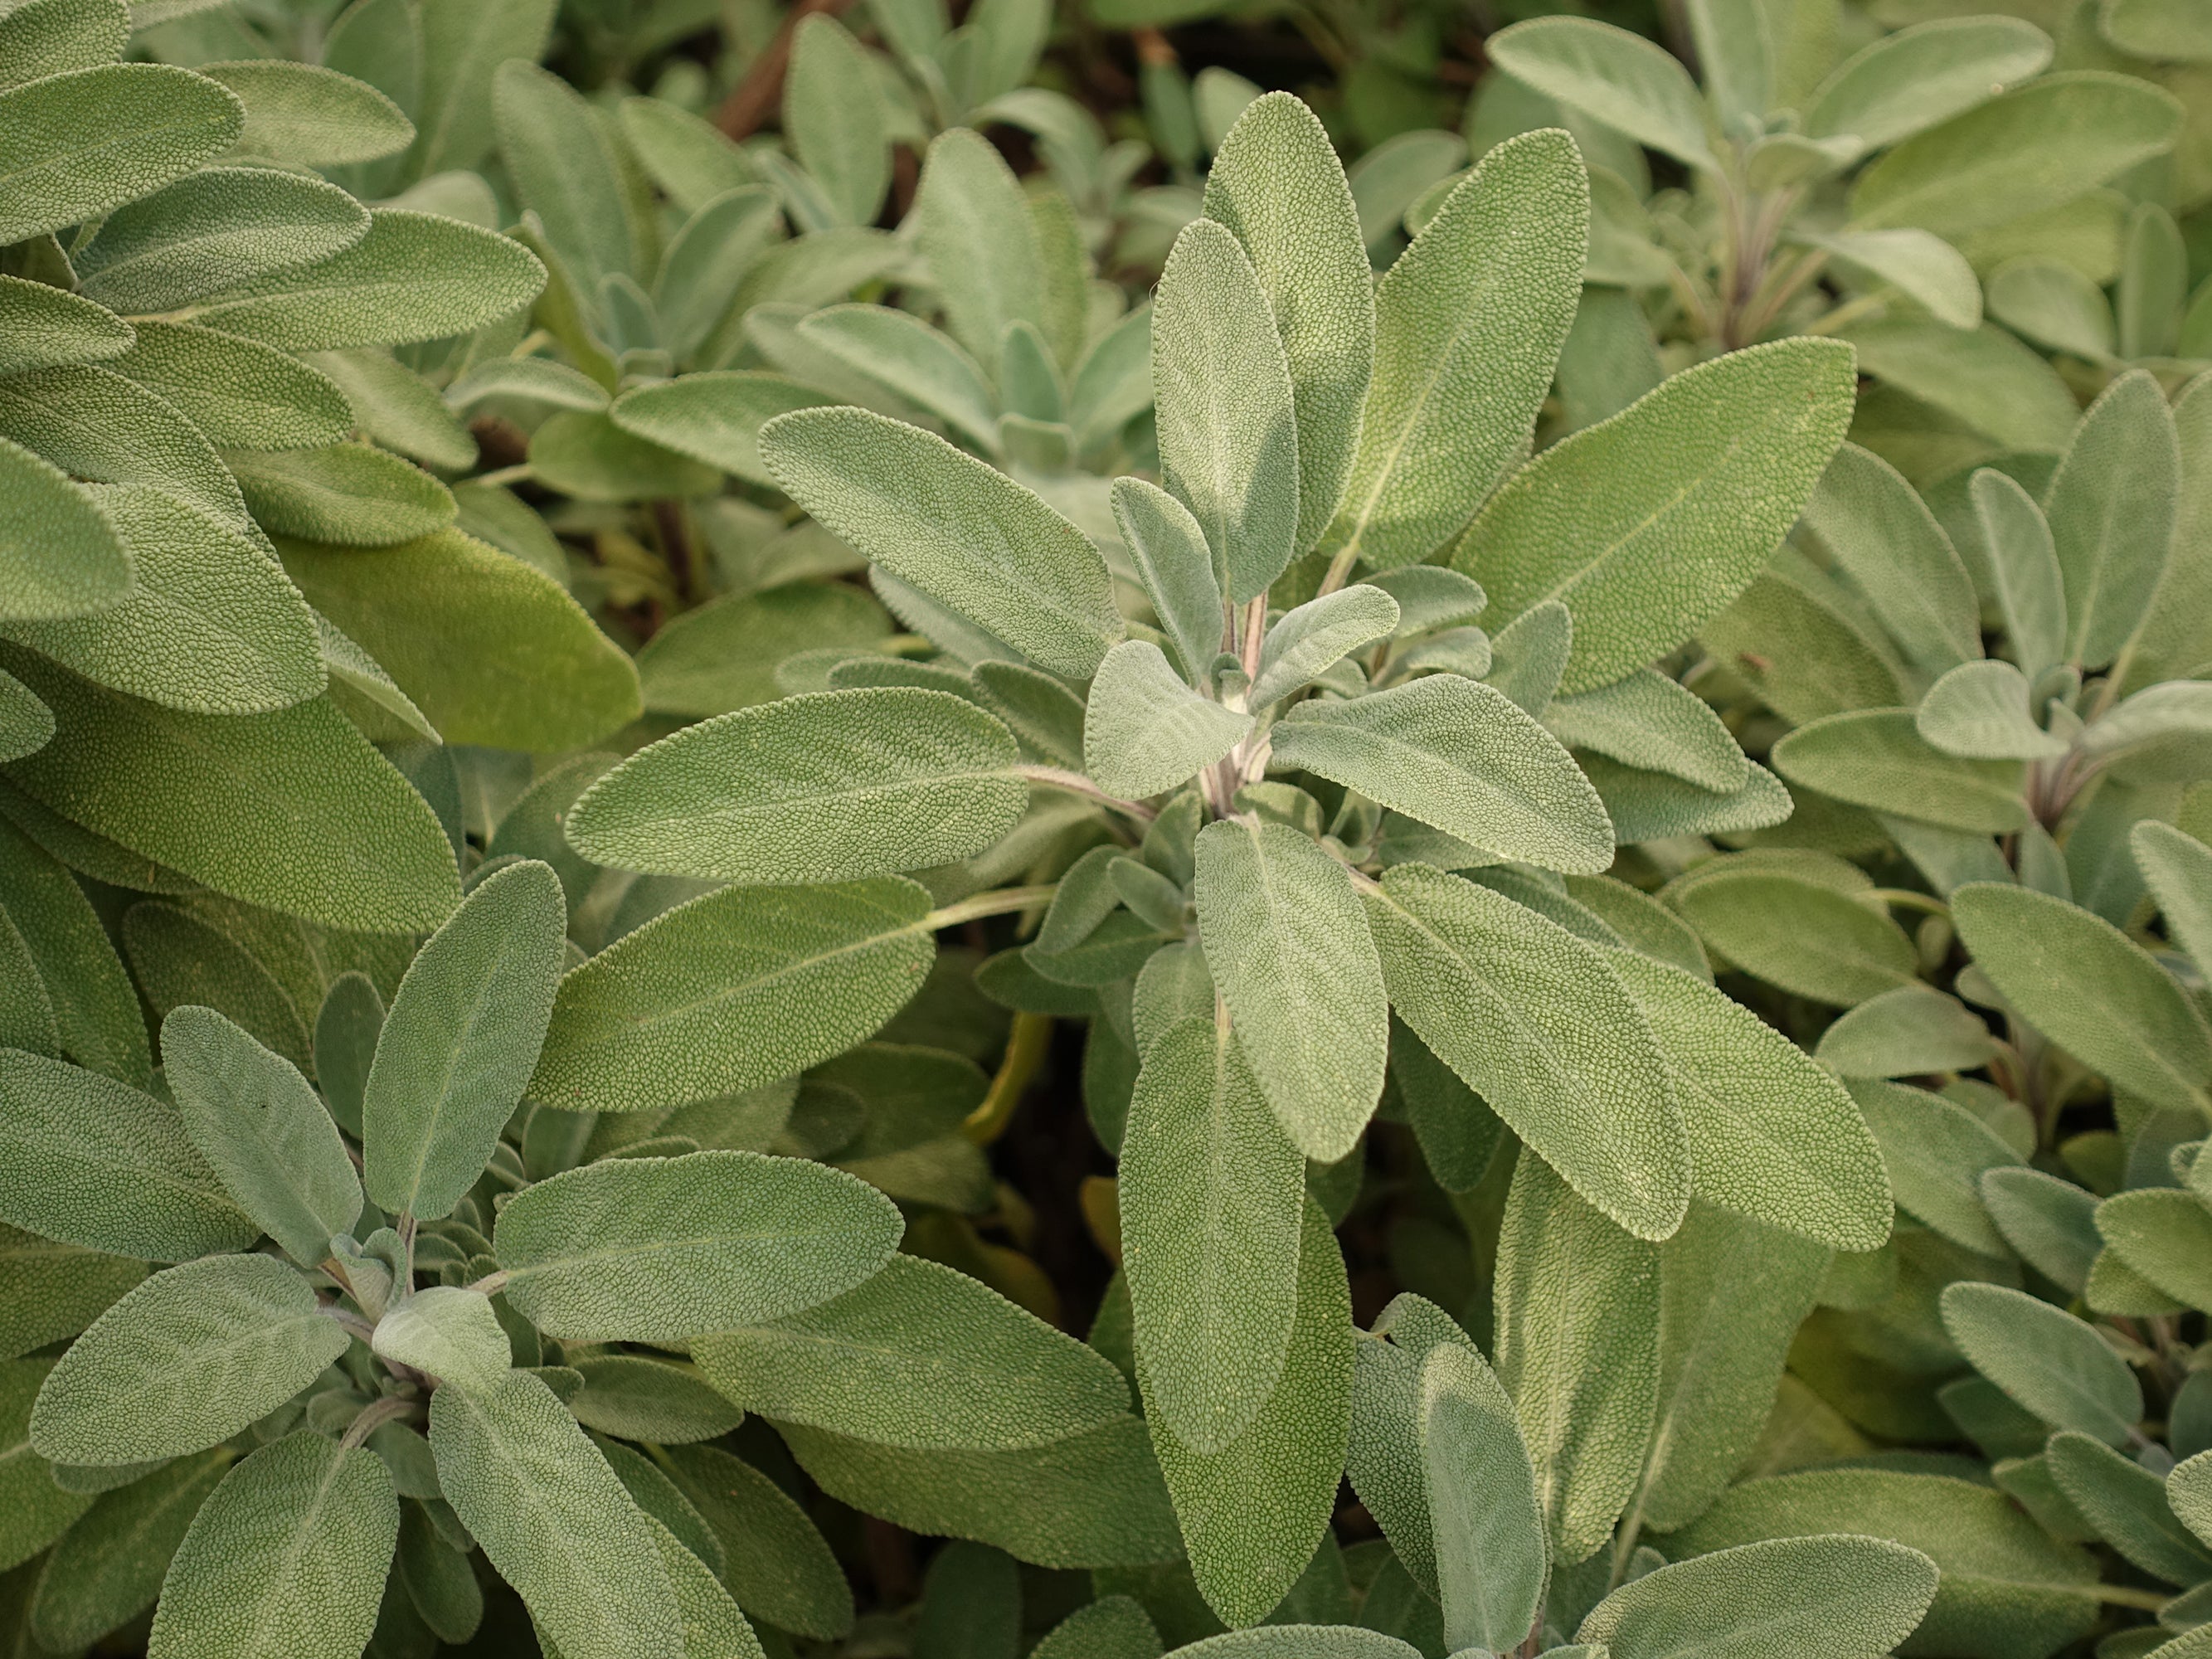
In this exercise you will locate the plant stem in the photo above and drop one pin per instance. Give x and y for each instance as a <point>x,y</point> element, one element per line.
<point>519,473</point>
<point>1075,783</point>
<point>491,1283</point>
<point>374,1416</point>
<point>1026,1045</point>
<point>2127,1595</point>
<point>1904,898</point>
<point>1002,902</point>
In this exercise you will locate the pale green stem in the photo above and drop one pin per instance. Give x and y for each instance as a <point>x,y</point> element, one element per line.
<point>1004,902</point>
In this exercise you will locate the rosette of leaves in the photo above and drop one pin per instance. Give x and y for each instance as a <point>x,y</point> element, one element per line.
<point>1232,827</point>
<point>1864,196</point>
<point>450,1363</point>
<point>230,562</point>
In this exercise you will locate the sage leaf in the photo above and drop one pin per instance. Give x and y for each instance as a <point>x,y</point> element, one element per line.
<point>1625,82</point>
<point>86,140</point>
<point>1980,711</point>
<point>1655,724</point>
<point>188,1357</point>
<point>60,554</point>
<point>965,535</point>
<point>918,1357</point>
<point>451,1333</point>
<point>460,1041</point>
<point>1468,324</point>
<point>1491,1556</point>
<point>91,1161</point>
<point>1577,1308</point>
<point>2043,1357</point>
<point>259,1126</point>
<point>1289,948</point>
<point>1276,183</point>
<point>2091,989</point>
<point>1720,459</point>
<point>1877,758</point>
<point>1223,398</point>
<point>1881,535</point>
<point>2178,869</point>
<point>1169,549</point>
<point>969,201</point>
<point>1458,756</point>
<point>49,326</point>
<point>325,1514</point>
<point>1308,641</point>
<point>1904,82</point>
<point>830,787</point>
<point>1823,1597</point>
<point>645,1250</point>
<point>2111,506</point>
<point>212,230</point>
<point>1561,1051</point>
<point>1145,732</point>
<point>733,990</point>
<point>1212,1198</point>
<point>312,116</point>
<point>555,1521</point>
<point>1252,1513</point>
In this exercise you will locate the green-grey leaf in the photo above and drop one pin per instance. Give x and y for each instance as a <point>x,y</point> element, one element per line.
<point>904,353</point>
<point>92,1161</point>
<point>1289,948</point>
<point>1492,1561</point>
<point>1614,78</point>
<point>349,494</point>
<point>1880,535</point>
<point>2111,507</point>
<point>242,394</point>
<point>1223,398</point>
<point>1252,1513</point>
<point>211,231</point>
<point>1936,1152</point>
<point>733,990</point>
<point>1559,1048</point>
<point>776,1565</point>
<point>1906,82</point>
<point>1647,525</point>
<point>2050,1223</point>
<point>1577,1311</point>
<point>80,143</point>
<point>1790,927</point>
<point>555,1521</point>
<point>48,37</point>
<point>285,1560</point>
<point>714,418</point>
<point>259,1126</point>
<point>661,1250</point>
<point>970,204</point>
<point>1833,1597</point>
<point>312,116</point>
<point>1771,1136</point>
<point>1460,757</point>
<point>451,1333</point>
<point>1211,1197</point>
<point>1905,1032</point>
<point>1980,711</point>
<point>48,327</point>
<point>830,787</point>
<point>1307,641</point>
<point>2043,1357</point>
<point>1144,731</point>
<point>1468,324</point>
<point>2091,989</point>
<point>1655,724</point>
<point>1876,757</point>
<point>835,121</point>
<point>2126,1504</point>
<point>211,626</point>
<point>460,1042</point>
<point>1168,547</point>
<point>1276,183</point>
<point>2178,869</point>
<point>414,277</point>
<point>59,552</point>
<point>964,534</point>
<point>188,1357</point>
<point>918,1357</point>
<point>2045,142</point>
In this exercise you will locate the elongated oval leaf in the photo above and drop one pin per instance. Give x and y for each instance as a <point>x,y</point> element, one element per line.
<point>1876,758</point>
<point>1909,81</point>
<point>1145,732</point>
<point>1614,78</point>
<point>2091,989</point>
<point>1880,534</point>
<point>1222,395</point>
<point>1980,711</point>
<point>92,1161</point>
<point>261,1128</point>
<point>555,1521</point>
<point>731,991</point>
<point>1276,183</point>
<point>830,787</point>
<point>1833,1597</point>
<point>72,146</point>
<point>187,1358</point>
<point>1289,948</point>
<point>2111,506</point>
<point>919,1357</point>
<point>211,231</point>
<point>1305,643</point>
<point>312,116</point>
<point>661,1250</point>
<point>1656,724</point>
<point>461,1040</point>
<point>292,810</point>
<point>1491,1555</point>
<point>970,203</point>
<point>242,394</point>
<point>1460,757</point>
<point>1647,525</point>
<point>1468,324</point>
<point>1212,1194</point>
<point>49,326</point>
<point>1168,547</point>
<point>2043,1357</point>
<point>967,536</point>
<point>60,554</point>
<point>1252,1513</point>
<point>285,1560</point>
<point>1558,1049</point>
